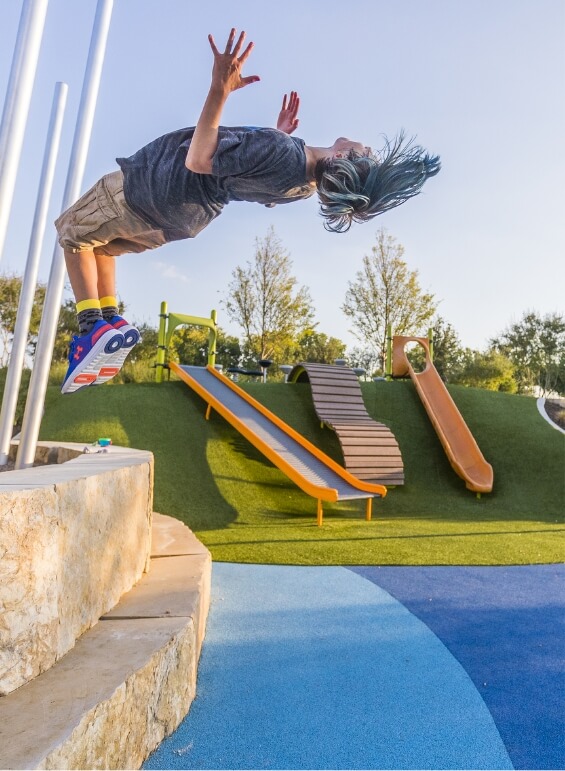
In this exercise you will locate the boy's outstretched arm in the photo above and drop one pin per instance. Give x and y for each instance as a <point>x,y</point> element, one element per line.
<point>226,77</point>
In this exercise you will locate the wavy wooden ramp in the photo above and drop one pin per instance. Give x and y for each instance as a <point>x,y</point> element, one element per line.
<point>370,449</point>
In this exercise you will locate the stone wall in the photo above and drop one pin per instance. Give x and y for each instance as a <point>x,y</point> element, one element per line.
<point>129,681</point>
<point>74,537</point>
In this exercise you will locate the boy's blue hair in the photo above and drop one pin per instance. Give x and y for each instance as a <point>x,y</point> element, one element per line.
<point>359,187</point>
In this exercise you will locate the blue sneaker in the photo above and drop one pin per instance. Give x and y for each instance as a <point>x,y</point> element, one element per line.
<point>90,357</point>
<point>131,337</point>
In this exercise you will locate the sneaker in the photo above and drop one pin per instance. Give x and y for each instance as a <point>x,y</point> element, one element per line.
<point>91,356</point>
<point>131,337</point>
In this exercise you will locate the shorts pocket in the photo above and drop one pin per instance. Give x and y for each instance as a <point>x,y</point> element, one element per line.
<point>90,214</point>
<point>105,200</point>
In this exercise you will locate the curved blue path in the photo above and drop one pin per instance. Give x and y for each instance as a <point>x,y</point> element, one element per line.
<point>337,668</point>
<point>506,626</point>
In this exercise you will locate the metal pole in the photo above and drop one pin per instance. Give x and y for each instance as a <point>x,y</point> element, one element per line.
<point>16,105</point>
<point>48,328</point>
<point>25,307</point>
<point>213,339</point>
<point>161,343</point>
<point>388,365</point>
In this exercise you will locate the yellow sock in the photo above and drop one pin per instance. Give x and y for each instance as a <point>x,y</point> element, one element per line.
<point>108,302</point>
<point>109,307</point>
<point>88,313</point>
<point>85,305</point>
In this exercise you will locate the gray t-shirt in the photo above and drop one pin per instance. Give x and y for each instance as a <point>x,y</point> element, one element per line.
<point>261,165</point>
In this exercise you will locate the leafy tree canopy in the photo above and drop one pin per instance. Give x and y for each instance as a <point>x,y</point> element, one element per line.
<point>536,347</point>
<point>385,291</point>
<point>266,303</point>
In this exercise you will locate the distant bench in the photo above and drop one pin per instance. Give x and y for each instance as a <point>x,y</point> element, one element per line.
<point>370,449</point>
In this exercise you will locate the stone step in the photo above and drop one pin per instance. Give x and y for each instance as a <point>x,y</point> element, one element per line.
<point>75,536</point>
<point>129,681</point>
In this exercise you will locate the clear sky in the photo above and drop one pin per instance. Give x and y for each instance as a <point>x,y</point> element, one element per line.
<point>481,82</point>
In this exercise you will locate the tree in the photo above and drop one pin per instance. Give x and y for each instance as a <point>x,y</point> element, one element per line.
<point>10,290</point>
<point>448,353</point>
<point>536,347</point>
<point>491,370</point>
<point>317,347</point>
<point>190,346</point>
<point>367,359</point>
<point>386,292</point>
<point>266,303</point>
<point>67,326</point>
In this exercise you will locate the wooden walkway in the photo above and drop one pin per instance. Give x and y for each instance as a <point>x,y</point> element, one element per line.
<point>370,449</point>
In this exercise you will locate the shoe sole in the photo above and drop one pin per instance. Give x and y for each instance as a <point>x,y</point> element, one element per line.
<point>98,360</point>
<point>116,362</point>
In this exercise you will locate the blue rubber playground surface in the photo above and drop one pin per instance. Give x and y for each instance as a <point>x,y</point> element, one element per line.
<point>378,668</point>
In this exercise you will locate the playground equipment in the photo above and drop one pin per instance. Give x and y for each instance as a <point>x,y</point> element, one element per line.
<point>29,282</point>
<point>168,322</point>
<point>458,442</point>
<point>16,105</point>
<point>370,449</point>
<point>262,373</point>
<point>52,305</point>
<point>309,468</point>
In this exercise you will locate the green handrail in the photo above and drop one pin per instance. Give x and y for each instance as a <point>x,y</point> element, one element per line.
<point>168,322</point>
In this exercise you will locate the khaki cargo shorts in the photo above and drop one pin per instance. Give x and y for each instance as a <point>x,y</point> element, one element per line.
<point>102,221</point>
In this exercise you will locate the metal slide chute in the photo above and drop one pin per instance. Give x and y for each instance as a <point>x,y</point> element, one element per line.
<point>459,444</point>
<point>309,468</point>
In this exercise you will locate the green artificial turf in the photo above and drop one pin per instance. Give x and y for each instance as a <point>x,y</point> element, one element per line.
<point>245,510</point>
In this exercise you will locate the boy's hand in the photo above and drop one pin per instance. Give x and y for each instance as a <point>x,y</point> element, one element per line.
<point>226,72</point>
<point>288,121</point>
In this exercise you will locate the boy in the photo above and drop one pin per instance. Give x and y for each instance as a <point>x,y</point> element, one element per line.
<point>175,186</point>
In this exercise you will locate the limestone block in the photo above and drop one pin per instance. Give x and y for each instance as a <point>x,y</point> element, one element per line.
<point>29,588</point>
<point>172,538</point>
<point>95,710</point>
<point>104,528</point>
<point>128,682</point>
<point>74,537</point>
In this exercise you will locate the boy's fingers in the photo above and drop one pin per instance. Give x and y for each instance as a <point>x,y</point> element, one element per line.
<point>239,43</point>
<point>213,45</point>
<point>246,53</point>
<point>284,102</point>
<point>230,41</point>
<point>250,79</point>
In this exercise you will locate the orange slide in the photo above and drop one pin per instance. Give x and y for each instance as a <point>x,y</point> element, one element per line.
<point>307,466</point>
<point>458,442</point>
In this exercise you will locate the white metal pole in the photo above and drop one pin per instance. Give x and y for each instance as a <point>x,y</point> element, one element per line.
<point>16,105</point>
<point>25,306</point>
<point>48,327</point>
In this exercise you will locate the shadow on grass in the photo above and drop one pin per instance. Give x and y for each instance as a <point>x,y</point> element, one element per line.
<point>374,536</point>
<point>214,480</point>
<point>166,420</point>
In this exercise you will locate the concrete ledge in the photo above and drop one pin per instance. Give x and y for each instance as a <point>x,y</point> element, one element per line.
<point>540,403</point>
<point>129,681</point>
<point>74,537</point>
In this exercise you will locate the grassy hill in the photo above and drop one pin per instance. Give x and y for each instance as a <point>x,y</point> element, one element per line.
<point>246,510</point>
